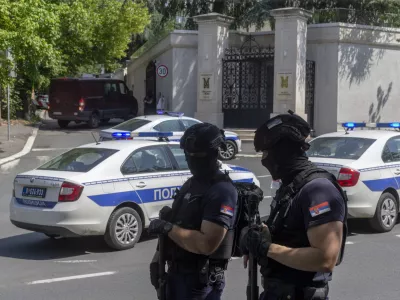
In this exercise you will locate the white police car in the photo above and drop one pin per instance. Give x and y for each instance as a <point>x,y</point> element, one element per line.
<point>167,122</point>
<point>367,165</point>
<point>107,188</point>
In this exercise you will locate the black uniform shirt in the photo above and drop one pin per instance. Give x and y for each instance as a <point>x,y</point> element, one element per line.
<point>220,204</point>
<point>317,203</point>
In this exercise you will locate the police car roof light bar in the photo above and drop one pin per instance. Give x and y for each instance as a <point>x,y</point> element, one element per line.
<point>351,125</point>
<point>121,134</point>
<point>394,125</point>
<point>174,114</point>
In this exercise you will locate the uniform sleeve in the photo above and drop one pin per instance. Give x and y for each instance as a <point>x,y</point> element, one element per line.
<point>220,204</point>
<point>321,203</point>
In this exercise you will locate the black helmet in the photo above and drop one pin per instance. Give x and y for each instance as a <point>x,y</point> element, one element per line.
<point>202,139</point>
<point>285,126</point>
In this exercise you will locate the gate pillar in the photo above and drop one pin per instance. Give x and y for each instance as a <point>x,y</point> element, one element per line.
<point>290,60</point>
<point>213,33</point>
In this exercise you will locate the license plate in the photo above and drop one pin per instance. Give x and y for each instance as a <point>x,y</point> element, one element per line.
<point>33,192</point>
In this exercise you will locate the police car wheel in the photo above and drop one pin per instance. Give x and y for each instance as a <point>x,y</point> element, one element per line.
<point>230,152</point>
<point>386,213</point>
<point>124,229</point>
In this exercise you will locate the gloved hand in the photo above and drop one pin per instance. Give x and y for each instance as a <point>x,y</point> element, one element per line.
<point>155,274</point>
<point>158,226</point>
<point>256,240</point>
<point>166,213</point>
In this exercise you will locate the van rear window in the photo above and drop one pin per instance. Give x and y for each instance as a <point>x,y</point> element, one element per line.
<point>78,160</point>
<point>131,125</point>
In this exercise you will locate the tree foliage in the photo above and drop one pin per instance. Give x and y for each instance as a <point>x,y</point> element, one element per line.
<point>50,38</point>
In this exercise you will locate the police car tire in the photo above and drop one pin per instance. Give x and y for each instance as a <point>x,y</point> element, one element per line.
<point>110,236</point>
<point>232,144</point>
<point>376,222</point>
<point>63,123</point>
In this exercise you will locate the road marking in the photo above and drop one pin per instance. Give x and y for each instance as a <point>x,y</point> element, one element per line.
<point>234,258</point>
<point>398,235</point>
<point>263,176</point>
<point>72,277</point>
<point>349,243</point>
<point>75,261</point>
<point>50,149</point>
<point>267,197</point>
<point>5,168</point>
<point>249,155</point>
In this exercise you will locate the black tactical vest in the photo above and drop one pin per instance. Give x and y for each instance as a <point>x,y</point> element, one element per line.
<point>281,235</point>
<point>187,213</point>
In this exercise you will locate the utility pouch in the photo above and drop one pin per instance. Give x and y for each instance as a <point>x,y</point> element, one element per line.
<point>204,272</point>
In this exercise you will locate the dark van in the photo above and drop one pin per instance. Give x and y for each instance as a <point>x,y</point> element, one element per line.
<point>91,100</point>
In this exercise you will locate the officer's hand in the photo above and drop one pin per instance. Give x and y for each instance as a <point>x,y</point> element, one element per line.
<point>158,226</point>
<point>257,240</point>
<point>166,213</point>
<point>154,274</point>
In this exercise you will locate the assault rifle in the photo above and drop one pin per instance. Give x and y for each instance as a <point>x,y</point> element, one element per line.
<point>254,219</point>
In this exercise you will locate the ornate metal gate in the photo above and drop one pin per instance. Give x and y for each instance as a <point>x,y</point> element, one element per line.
<point>247,85</point>
<point>310,91</point>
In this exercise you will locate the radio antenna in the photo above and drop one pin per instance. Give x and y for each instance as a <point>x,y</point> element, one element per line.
<point>97,142</point>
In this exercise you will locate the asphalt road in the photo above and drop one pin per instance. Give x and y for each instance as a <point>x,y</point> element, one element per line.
<point>37,268</point>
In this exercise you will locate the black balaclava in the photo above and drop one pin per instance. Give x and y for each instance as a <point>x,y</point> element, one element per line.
<point>203,168</point>
<point>285,160</point>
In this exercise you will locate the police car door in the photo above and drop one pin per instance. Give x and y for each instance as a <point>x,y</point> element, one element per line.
<point>173,126</point>
<point>151,174</point>
<point>181,164</point>
<point>391,158</point>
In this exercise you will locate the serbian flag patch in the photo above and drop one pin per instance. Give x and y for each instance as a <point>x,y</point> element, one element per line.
<point>226,210</point>
<point>319,209</point>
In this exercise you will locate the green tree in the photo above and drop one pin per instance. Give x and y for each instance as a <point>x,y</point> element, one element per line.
<point>50,38</point>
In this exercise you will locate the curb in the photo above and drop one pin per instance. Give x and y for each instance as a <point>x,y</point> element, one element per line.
<point>27,148</point>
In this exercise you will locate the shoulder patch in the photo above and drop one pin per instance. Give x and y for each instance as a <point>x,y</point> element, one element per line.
<point>226,210</point>
<point>319,209</point>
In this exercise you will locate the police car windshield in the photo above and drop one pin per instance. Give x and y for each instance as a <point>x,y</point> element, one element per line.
<point>78,160</point>
<point>131,125</point>
<point>339,147</point>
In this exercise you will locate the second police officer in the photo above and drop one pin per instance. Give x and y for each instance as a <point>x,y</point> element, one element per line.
<point>200,224</point>
<point>305,233</point>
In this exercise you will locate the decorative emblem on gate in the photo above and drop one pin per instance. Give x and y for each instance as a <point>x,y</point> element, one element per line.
<point>284,82</point>
<point>32,179</point>
<point>206,83</point>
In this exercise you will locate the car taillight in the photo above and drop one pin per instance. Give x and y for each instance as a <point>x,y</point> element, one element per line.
<point>348,177</point>
<point>70,192</point>
<point>81,104</point>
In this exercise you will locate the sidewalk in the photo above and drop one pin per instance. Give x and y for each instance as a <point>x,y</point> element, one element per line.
<point>20,131</point>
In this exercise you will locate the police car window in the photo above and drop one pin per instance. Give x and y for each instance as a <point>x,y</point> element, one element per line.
<point>170,125</point>
<point>188,123</point>
<point>392,150</point>
<point>147,160</point>
<point>78,160</point>
<point>339,147</point>
<point>179,155</point>
<point>131,125</point>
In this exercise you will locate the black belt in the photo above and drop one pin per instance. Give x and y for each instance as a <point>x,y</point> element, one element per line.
<point>192,267</point>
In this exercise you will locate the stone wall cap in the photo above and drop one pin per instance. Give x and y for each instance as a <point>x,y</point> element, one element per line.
<point>213,17</point>
<point>291,12</point>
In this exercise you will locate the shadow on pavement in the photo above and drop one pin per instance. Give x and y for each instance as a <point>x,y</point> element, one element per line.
<point>361,226</point>
<point>37,246</point>
<point>51,125</point>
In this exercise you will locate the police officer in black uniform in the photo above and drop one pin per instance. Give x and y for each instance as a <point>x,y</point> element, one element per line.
<point>305,233</point>
<point>200,224</point>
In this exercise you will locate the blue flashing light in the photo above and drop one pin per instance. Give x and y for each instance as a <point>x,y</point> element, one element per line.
<point>121,134</point>
<point>388,125</point>
<point>152,134</point>
<point>353,125</point>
